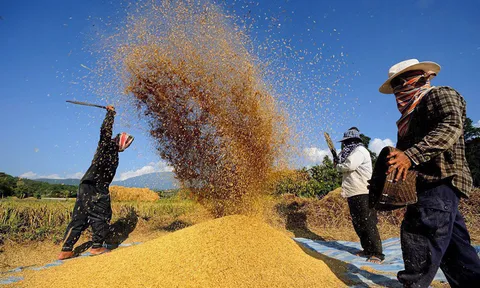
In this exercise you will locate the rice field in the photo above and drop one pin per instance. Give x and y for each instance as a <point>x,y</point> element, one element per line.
<point>37,220</point>
<point>119,193</point>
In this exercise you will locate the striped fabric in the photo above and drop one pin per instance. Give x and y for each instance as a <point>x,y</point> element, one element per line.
<point>124,140</point>
<point>408,96</point>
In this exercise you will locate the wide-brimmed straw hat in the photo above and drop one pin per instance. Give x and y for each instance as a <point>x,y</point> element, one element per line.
<point>404,66</point>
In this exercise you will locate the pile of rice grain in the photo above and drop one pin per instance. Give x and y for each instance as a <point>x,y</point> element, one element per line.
<point>234,251</point>
<point>120,193</point>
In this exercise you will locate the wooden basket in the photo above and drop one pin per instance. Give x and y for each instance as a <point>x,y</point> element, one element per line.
<point>384,193</point>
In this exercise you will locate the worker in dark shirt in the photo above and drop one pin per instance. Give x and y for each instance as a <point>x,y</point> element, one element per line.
<point>92,206</point>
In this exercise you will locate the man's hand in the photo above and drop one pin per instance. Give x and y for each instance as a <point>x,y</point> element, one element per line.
<point>398,161</point>
<point>110,108</point>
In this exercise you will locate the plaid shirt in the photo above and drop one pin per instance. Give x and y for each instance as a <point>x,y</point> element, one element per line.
<point>434,141</point>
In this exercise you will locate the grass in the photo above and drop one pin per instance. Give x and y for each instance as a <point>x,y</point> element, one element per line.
<point>38,220</point>
<point>328,218</point>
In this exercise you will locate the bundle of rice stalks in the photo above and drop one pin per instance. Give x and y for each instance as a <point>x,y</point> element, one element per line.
<point>119,193</point>
<point>234,251</point>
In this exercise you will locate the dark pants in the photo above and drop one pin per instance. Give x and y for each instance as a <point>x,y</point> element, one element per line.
<point>364,222</point>
<point>434,235</point>
<point>92,207</point>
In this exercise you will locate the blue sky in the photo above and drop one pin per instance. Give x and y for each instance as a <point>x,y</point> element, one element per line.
<point>45,49</point>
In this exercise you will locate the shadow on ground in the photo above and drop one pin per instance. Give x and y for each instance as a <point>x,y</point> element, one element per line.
<point>296,221</point>
<point>176,225</point>
<point>82,248</point>
<point>120,230</point>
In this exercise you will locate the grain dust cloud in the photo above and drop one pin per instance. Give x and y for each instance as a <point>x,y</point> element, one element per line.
<point>211,114</point>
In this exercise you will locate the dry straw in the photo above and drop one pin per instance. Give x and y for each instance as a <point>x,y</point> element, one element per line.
<point>119,193</point>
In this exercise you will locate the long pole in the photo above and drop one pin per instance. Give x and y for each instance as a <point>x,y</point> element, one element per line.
<point>86,104</point>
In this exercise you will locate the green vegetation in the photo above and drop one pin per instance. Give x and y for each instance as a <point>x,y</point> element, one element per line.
<point>316,181</point>
<point>24,188</point>
<point>31,219</point>
<point>472,149</point>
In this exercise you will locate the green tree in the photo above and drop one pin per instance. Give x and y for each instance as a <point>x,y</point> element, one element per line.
<point>472,149</point>
<point>366,142</point>
<point>21,189</point>
<point>472,153</point>
<point>326,175</point>
<point>7,183</point>
<point>470,132</point>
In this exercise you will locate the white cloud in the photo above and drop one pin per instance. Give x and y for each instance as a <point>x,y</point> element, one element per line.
<point>29,175</point>
<point>316,155</point>
<point>77,175</point>
<point>32,175</point>
<point>51,176</point>
<point>477,124</point>
<point>376,145</point>
<point>152,167</point>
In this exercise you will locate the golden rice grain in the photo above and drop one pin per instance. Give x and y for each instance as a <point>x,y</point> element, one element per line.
<point>188,68</point>
<point>234,251</point>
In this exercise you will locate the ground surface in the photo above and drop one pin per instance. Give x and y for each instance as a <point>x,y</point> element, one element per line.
<point>325,220</point>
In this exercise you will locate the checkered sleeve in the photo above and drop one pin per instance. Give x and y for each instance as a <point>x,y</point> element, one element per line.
<point>447,107</point>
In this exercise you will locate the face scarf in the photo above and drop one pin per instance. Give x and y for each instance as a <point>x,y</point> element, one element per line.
<point>408,96</point>
<point>347,150</point>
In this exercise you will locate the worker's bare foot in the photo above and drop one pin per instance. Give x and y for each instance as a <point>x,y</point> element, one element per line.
<point>98,251</point>
<point>64,255</point>
<point>374,260</point>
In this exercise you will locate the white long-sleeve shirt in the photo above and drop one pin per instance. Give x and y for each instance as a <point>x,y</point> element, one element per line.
<point>356,170</point>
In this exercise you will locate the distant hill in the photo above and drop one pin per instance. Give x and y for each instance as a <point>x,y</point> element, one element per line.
<point>60,181</point>
<point>23,188</point>
<point>155,181</point>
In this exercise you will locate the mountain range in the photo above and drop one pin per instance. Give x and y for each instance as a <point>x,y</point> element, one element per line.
<point>154,181</point>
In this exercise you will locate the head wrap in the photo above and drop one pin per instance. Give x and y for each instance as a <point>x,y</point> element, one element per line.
<point>408,95</point>
<point>124,140</point>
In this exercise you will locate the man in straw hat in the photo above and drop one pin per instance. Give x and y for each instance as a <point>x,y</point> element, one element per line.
<point>355,164</point>
<point>92,206</point>
<point>430,134</point>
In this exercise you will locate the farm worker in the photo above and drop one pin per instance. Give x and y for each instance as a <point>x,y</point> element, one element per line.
<point>92,206</point>
<point>355,163</point>
<point>430,134</point>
